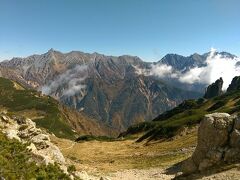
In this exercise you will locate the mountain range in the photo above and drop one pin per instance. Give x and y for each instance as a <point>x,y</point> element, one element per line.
<point>190,112</point>
<point>117,91</point>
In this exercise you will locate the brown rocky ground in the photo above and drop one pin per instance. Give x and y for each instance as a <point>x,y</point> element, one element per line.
<point>126,159</point>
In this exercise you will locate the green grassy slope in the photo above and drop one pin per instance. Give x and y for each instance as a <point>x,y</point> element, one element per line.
<point>15,163</point>
<point>49,116</point>
<point>187,114</point>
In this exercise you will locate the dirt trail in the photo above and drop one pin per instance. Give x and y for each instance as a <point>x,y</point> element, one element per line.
<point>136,174</point>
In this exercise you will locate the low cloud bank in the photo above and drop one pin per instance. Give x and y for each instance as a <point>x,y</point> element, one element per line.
<point>69,83</point>
<point>217,66</point>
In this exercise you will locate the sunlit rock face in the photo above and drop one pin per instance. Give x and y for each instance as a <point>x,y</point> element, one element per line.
<point>218,142</point>
<point>25,131</point>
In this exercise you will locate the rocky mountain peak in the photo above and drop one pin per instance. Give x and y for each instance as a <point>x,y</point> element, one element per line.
<point>215,89</point>
<point>107,88</point>
<point>235,84</point>
<point>51,50</point>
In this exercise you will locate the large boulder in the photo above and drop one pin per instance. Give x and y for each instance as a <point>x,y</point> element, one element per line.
<point>215,89</point>
<point>218,142</point>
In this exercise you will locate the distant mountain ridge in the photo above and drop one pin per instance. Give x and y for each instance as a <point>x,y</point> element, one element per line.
<point>106,88</point>
<point>189,113</point>
<point>184,63</point>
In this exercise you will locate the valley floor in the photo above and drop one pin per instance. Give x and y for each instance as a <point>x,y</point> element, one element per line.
<point>126,159</point>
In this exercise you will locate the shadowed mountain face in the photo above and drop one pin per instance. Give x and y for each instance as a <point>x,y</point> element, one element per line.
<point>214,89</point>
<point>235,84</point>
<point>190,66</point>
<point>183,63</point>
<point>106,88</point>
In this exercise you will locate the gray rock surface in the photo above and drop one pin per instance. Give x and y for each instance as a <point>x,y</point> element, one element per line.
<point>218,142</point>
<point>235,84</point>
<point>43,150</point>
<point>25,131</point>
<point>215,89</point>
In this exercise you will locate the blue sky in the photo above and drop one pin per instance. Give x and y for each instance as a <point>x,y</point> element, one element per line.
<point>146,28</point>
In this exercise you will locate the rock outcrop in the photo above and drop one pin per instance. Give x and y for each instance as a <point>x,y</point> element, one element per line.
<point>39,144</point>
<point>25,131</point>
<point>215,89</point>
<point>235,84</point>
<point>218,142</point>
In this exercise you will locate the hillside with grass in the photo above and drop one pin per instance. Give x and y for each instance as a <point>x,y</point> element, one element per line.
<point>16,163</point>
<point>188,114</point>
<point>47,112</point>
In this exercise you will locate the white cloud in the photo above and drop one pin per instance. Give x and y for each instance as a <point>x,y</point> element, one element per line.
<point>69,83</point>
<point>161,70</point>
<point>192,76</point>
<point>75,85</point>
<point>216,66</point>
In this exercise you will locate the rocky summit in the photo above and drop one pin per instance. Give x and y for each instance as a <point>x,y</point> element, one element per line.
<point>235,84</point>
<point>214,89</point>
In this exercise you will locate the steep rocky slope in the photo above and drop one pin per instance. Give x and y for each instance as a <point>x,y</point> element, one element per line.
<point>106,88</point>
<point>47,112</point>
<point>235,84</point>
<point>26,151</point>
<point>214,89</point>
<point>187,114</point>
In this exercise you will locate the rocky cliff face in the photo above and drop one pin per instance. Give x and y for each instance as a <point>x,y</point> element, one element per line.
<point>218,142</point>
<point>235,84</point>
<point>214,89</point>
<point>106,88</point>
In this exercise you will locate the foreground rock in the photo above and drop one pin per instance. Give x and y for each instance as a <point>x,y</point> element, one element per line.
<point>25,131</point>
<point>218,142</point>
<point>43,150</point>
